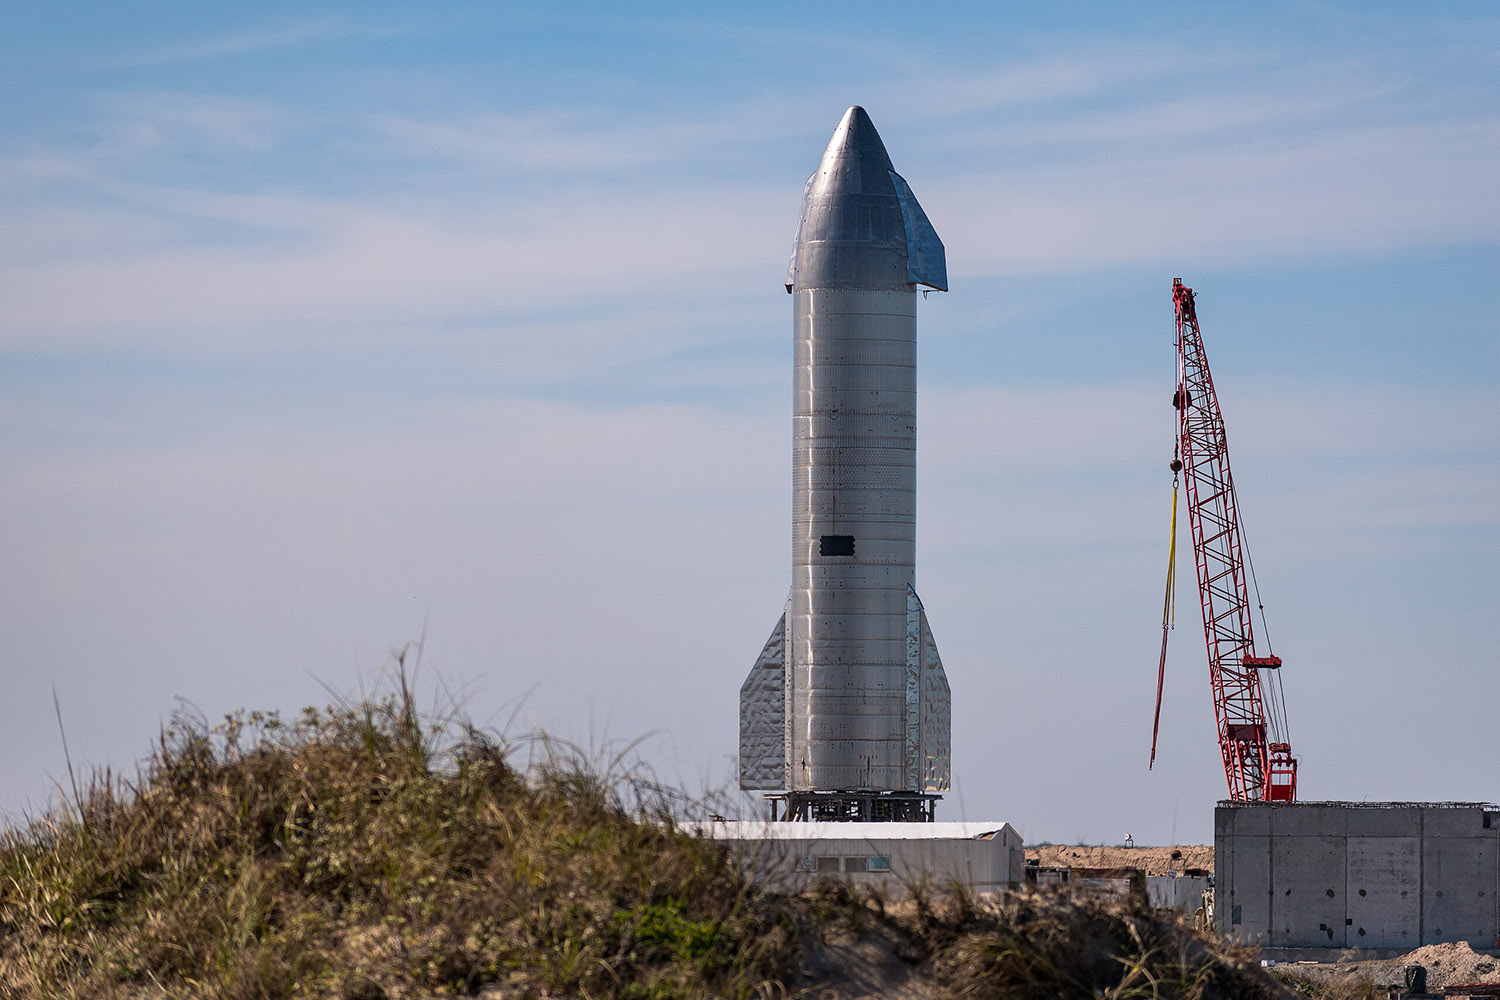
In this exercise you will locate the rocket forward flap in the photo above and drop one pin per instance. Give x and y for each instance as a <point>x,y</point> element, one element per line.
<point>763,717</point>
<point>791,264</point>
<point>926,260</point>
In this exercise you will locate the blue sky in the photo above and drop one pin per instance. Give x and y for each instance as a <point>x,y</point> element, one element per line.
<point>319,322</point>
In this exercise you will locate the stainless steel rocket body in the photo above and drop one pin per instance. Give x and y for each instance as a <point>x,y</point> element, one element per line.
<point>851,676</point>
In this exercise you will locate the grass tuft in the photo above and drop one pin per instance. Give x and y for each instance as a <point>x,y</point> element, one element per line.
<point>362,851</point>
<point>1048,944</point>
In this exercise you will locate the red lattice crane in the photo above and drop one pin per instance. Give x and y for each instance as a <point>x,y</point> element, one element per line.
<point>1248,703</point>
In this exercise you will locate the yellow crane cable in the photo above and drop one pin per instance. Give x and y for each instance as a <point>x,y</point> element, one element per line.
<point>1168,621</point>
<point>1169,604</point>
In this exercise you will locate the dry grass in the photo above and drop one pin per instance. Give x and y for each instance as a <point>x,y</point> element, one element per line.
<point>1344,980</point>
<point>1032,945</point>
<point>364,851</point>
<point>1354,987</point>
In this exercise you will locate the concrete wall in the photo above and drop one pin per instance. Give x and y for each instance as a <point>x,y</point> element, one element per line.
<point>1178,892</point>
<point>1372,875</point>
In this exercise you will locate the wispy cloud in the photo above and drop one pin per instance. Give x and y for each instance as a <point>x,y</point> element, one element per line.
<point>348,263</point>
<point>1362,189</point>
<point>250,41</point>
<point>1324,467</point>
<point>478,250</point>
<point>1254,170</point>
<point>141,137</point>
<point>163,123</point>
<point>590,139</point>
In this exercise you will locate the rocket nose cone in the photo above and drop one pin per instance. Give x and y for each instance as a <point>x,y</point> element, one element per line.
<point>861,226</point>
<point>856,138</point>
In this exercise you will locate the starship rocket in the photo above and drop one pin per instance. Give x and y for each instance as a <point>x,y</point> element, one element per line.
<point>845,715</point>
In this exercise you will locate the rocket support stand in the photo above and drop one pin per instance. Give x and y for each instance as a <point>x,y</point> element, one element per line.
<point>852,807</point>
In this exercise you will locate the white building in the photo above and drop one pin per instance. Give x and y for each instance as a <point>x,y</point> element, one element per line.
<point>983,857</point>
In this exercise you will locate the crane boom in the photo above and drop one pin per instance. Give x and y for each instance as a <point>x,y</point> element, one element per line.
<point>1258,761</point>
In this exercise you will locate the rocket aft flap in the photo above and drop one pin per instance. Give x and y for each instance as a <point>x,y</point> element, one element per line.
<point>849,695</point>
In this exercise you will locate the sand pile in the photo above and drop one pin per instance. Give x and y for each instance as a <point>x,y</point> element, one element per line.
<point>1152,860</point>
<point>1448,964</point>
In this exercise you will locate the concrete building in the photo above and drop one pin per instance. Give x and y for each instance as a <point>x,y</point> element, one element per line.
<point>985,857</point>
<point>1369,875</point>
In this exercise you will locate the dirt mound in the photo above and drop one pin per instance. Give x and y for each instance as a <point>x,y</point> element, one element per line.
<point>1152,860</point>
<point>1447,964</point>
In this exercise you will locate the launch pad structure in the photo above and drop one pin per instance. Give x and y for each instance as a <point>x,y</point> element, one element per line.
<point>853,807</point>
